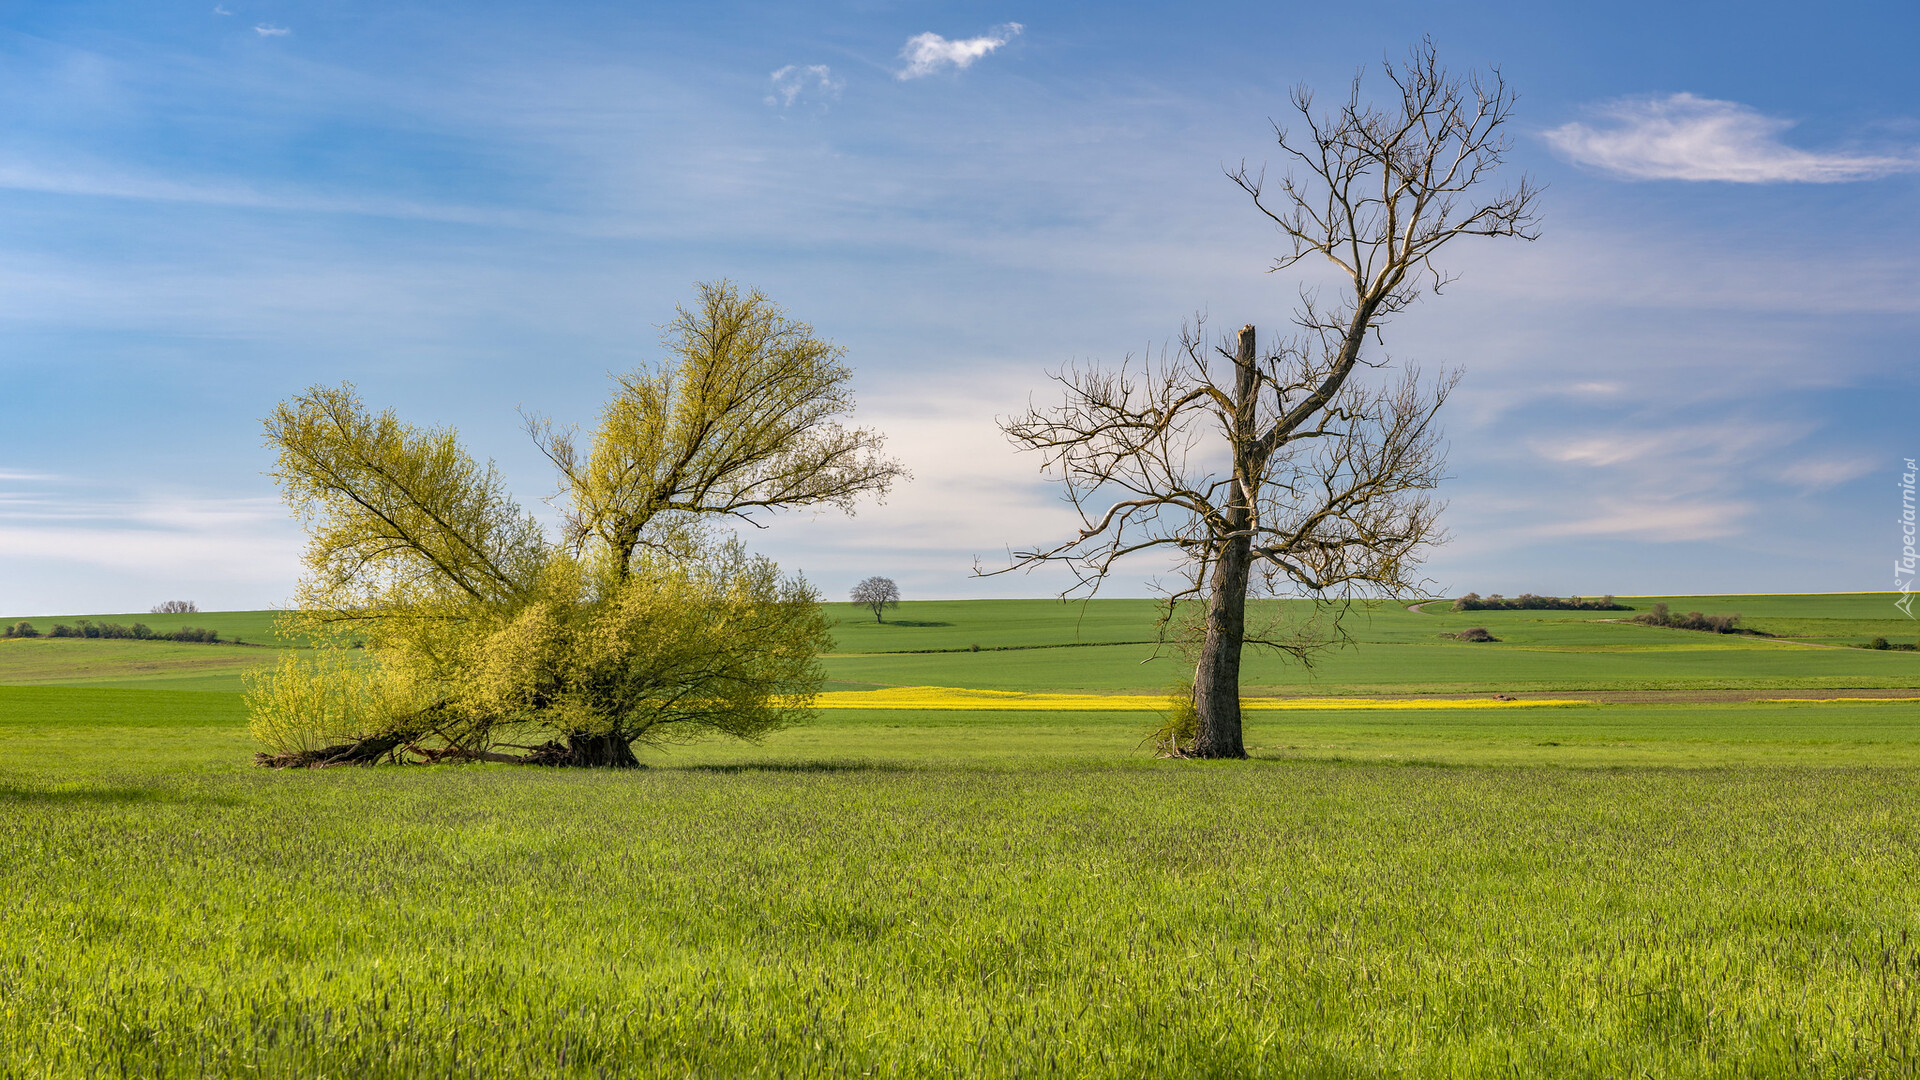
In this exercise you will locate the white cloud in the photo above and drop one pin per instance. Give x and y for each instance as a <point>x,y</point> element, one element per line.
<point>1654,519</point>
<point>220,9</point>
<point>1821,474</point>
<point>271,31</point>
<point>928,53</point>
<point>1650,478</point>
<point>972,498</point>
<point>1683,137</point>
<point>1667,456</point>
<point>794,81</point>
<point>74,547</point>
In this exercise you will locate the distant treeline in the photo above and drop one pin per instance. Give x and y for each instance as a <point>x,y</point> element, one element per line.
<point>83,628</point>
<point>1882,643</point>
<point>1693,620</point>
<point>1526,601</point>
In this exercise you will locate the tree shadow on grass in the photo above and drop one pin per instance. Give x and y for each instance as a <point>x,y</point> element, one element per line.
<point>99,796</point>
<point>914,622</point>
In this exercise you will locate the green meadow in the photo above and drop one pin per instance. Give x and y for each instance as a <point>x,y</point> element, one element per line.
<point>1675,877</point>
<point>1113,645</point>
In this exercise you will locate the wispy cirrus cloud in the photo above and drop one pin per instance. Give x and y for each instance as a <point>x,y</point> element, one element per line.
<point>265,30</point>
<point>120,544</point>
<point>1653,518</point>
<point>105,182</point>
<point>928,53</point>
<point>1819,474</point>
<point>794,82</point>
<point>1645,479</point>
<point>1684,137</point>
<point>1668,457</point>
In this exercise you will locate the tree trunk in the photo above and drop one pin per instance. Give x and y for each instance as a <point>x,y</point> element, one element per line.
<point>580,751</point>
<point>599,752</point>
<point>1216,678</point>
<point>367,751</point>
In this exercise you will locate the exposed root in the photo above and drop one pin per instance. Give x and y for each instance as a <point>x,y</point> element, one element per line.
<point>1166,743</point>
<point>367,751</point>
<point>553,754</point>
<point>435,755</point>
<point>579,752</point>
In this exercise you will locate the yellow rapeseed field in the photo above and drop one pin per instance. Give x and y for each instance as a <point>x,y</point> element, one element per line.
<point>956,698</point>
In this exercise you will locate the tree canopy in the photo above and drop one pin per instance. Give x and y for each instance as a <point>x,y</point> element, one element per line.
<point>637,624</point>
<point>743,420</point>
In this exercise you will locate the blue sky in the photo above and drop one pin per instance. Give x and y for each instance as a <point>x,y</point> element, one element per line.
<point>1701,378</point>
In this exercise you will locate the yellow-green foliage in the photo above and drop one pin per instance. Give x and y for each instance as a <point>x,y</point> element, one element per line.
<point>742,418</point>
<point>401,518</point>
<point>633,625</point>
<point>723,643</point>
<point>1179,720</point>
<point>715,641</point>
<point>331,697</point>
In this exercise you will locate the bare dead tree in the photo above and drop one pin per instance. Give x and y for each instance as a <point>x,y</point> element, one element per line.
<point>1282,465</point>
<point>876,594</point>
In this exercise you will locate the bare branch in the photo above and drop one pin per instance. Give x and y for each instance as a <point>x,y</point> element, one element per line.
<point>1283,464</point>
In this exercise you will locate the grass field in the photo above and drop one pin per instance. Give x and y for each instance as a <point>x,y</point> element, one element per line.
<point>1698,888</point>
<point>1108,646</point>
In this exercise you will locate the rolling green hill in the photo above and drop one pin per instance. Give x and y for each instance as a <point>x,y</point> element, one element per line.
<point>1109,645</point>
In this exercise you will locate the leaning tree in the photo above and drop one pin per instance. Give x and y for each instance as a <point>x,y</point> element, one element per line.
<point>1303,466</point>
<point>458,623</point>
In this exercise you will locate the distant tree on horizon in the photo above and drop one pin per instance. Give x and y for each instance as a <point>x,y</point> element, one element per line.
<point>174,607</point>
<point>877,593</point>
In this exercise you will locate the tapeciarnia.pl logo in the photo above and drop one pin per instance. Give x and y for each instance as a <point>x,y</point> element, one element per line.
<point>1903,567</point>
